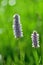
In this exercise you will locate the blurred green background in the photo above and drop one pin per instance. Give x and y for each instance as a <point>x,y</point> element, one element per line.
<point>20,52</point>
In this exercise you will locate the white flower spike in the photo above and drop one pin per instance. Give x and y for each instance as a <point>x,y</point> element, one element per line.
<point>35,39</point>
<point>17,27</point>
<point>1,59</point>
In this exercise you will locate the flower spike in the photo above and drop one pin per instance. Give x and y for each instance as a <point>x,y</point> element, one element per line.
<point>17,27</point>
<point>35,39</point>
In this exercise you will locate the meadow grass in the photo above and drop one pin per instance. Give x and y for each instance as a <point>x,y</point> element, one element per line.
<point>21,52</point>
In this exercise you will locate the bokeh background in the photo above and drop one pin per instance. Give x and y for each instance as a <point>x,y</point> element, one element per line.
<point>20,52</point>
